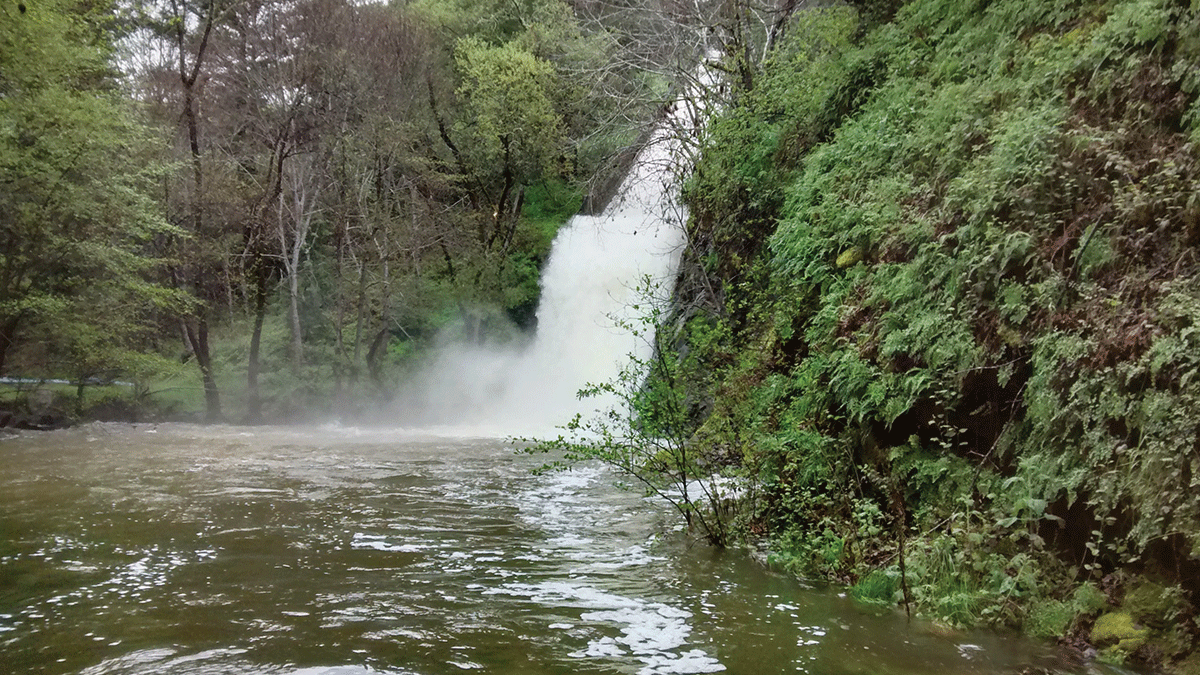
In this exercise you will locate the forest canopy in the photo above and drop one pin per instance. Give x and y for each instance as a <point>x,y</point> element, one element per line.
<point>261,207</point>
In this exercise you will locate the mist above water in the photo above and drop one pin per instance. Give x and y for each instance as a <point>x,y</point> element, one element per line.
<point>596,272</point>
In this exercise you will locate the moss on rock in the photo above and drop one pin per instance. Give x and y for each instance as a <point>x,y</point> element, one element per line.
<point>850,257</point>
<point>1118,632</point>
<point>1155,605</point>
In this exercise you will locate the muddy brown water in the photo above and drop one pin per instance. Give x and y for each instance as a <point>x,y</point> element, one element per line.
<point>336,551</point>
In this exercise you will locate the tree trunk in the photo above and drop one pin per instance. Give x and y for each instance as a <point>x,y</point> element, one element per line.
<point>449,261</point>
<point>198,335</point>
<point>500,213</point>
<point>339,265</point>
<point>256,237</point>
<point>294,305</point>
<point>339,371</point>
<point>253,395</point>
<point>360,320</point>
<point>513,221</point>
<point>304,191</point>
<point>901,535</point>
<point>8,332</point>
<point>779,28</point>
<point>378,345</point>
<point>189,349</point>
<point>445,136</point>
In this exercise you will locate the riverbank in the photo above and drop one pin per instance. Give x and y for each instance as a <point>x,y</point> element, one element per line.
<point>944,280</point>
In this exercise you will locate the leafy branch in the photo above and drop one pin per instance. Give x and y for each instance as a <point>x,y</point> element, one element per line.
<point>645,430</point>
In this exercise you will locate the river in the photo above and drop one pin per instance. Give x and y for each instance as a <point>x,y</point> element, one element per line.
<point>335,551</point>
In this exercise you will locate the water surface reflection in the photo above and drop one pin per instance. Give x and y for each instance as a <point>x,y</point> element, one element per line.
<point>328,551</point>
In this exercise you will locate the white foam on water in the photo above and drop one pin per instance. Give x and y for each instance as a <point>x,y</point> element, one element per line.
<point>381,543</point>
<point>634,556</point>
<point>694,661</point>
<point>651,633</point>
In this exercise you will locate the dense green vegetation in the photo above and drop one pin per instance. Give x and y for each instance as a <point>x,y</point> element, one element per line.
<point>76,172</point>
<point>949,251</point>
<point>259,209</point>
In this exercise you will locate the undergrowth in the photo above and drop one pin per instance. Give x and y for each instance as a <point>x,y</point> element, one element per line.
<point>957,256</point>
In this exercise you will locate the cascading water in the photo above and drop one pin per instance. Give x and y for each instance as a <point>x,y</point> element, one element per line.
<point>596,273</point>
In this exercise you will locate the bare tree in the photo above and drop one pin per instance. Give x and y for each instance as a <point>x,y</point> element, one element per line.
<point>193,26</point>
<point>304,185</point>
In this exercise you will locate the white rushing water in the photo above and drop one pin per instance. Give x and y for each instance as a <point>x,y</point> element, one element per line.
<point>596,274</point>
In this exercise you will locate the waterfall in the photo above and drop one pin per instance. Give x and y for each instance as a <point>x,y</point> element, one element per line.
<point>592,278</point>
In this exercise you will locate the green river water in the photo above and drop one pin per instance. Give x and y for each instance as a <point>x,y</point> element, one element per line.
<point>334,551</point>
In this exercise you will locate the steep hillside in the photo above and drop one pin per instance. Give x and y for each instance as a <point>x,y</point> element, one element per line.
<point>947,264</point>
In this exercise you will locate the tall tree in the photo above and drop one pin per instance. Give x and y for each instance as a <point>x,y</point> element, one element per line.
<point>190,27</point>
<point>265,95</point>
<point>511,129</point>
<point>76,172</point>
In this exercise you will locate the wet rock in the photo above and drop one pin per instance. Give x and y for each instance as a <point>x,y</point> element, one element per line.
<point>10,419</point>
